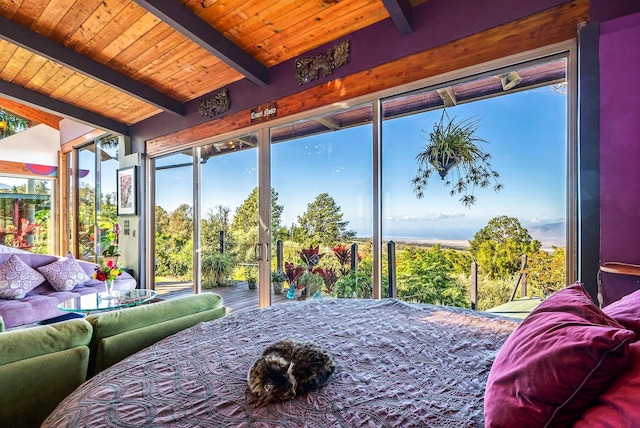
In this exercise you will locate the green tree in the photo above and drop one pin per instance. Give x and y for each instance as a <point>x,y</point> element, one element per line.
<point>546,272</point>
<point>322,223</point>
<point>174,242</point>
<point>14,124</point>
<point>244,227</point>
<point>216,220</point>
<point>498,246</point>
<point>426,276</point>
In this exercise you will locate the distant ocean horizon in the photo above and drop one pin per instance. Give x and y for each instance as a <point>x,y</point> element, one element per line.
<point>549,234</point>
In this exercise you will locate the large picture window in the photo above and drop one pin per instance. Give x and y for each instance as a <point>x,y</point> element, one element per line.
<point>363,205</point>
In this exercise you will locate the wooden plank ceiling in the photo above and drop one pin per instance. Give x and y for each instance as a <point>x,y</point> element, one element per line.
<point>114,63</point>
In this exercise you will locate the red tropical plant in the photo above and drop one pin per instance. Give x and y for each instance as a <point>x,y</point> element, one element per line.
<point>293,273</point>
<point>343,254</point>
<point>329,276</point>
<point>311,256</point>
<point>20,235</point>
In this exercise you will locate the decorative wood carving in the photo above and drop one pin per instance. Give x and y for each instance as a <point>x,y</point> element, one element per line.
<point>308,68</point>
<point>216,105</point>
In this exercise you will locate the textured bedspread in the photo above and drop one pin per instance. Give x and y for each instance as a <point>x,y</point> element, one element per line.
<point>397,365</point>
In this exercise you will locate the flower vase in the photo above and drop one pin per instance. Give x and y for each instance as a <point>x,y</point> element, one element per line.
<point>291,292</point>
<point>108,285</point>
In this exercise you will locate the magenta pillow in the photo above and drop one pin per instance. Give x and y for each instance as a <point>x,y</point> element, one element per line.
<point>17,278</point>
<point>627,312</point>
<point>617,406</point>
<point>556,363</point>
<point>64,274</point>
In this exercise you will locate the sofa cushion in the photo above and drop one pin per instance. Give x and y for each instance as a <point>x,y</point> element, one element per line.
<point>556,363</point>
<point>18,278</point>
<point>64,274</point>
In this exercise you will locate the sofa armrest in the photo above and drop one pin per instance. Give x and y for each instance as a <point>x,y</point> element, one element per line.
<point>118,334</point>
<point>17,345</point>
<point>39,367</point>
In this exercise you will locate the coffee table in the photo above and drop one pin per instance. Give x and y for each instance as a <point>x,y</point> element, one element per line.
<point>104,301</point>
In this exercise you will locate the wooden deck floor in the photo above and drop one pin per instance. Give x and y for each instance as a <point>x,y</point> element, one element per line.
<point>236,298</point>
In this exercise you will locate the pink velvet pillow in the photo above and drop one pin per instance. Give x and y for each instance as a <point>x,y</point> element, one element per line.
<point>617,407</point>
<point>556,363</point>
<point>626,311</point>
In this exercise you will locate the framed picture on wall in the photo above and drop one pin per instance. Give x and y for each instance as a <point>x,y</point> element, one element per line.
<point>127,191</point>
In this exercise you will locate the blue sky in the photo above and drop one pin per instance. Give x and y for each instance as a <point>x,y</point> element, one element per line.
<point>527,139</point>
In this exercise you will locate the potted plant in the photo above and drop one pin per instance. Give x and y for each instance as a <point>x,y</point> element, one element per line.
<point>293,274</point>
<point>354,285</point>
<point>277,279</point>
<point>252,279</point>
<point>329,276</point>
<point>217,267</point>
<point>453,146</point>
<point>311,282</point>
<point>111,253</point>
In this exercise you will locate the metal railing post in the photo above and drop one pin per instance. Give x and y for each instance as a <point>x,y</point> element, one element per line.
<point>391,267</point>
<point>474,286</point>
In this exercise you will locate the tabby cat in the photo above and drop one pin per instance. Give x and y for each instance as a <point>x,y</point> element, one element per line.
<point>289,367</point>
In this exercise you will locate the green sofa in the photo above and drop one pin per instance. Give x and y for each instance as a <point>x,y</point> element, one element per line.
<point>118,334</point>
<point>40,366</point>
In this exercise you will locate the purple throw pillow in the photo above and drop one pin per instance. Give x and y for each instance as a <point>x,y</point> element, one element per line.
<point>626,311</point>
<point>64,274</point>
<point>17,278</point>
<point>556,363</point>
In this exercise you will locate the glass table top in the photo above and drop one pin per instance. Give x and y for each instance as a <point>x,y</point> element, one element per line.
<point>105,301</point>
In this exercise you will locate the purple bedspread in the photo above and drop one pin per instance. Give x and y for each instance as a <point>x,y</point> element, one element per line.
<point>397,365</point>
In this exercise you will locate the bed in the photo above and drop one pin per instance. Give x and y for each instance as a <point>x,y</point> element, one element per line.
<point>394,365</point>
<point>569,363</point>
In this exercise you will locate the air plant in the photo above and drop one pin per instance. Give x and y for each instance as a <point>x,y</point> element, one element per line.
<point>453,146</point>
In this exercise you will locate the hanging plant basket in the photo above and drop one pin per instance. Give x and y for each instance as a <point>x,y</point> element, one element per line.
<point>455,151</point>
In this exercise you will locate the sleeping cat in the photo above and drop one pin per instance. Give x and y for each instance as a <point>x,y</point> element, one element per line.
<point>289,367</point>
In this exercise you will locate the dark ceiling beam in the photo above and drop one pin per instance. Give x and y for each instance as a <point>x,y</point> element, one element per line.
<point>51,105</point>
<point>200,32</point>
<point>40,45</point>
<point>401,13</point>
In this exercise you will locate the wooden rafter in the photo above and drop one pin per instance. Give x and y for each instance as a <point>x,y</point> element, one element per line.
<point>33,114</point>
<point>47,48</point>
<point>191,26</point>
<point>401,13</point>
<point>42,102</point>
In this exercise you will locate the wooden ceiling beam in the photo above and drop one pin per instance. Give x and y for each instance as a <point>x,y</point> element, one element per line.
<point>47,48</point>
<point>200,32</point>
<point>51,105</point>
<point>401,13</point>
<point>32,114</point>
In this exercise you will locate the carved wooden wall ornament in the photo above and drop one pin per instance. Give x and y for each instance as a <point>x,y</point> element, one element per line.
<point>308,68</point>
<point>216,105</point>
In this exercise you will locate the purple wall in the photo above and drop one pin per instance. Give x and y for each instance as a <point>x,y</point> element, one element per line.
<point>604,10</point>
<point>620,145</point>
